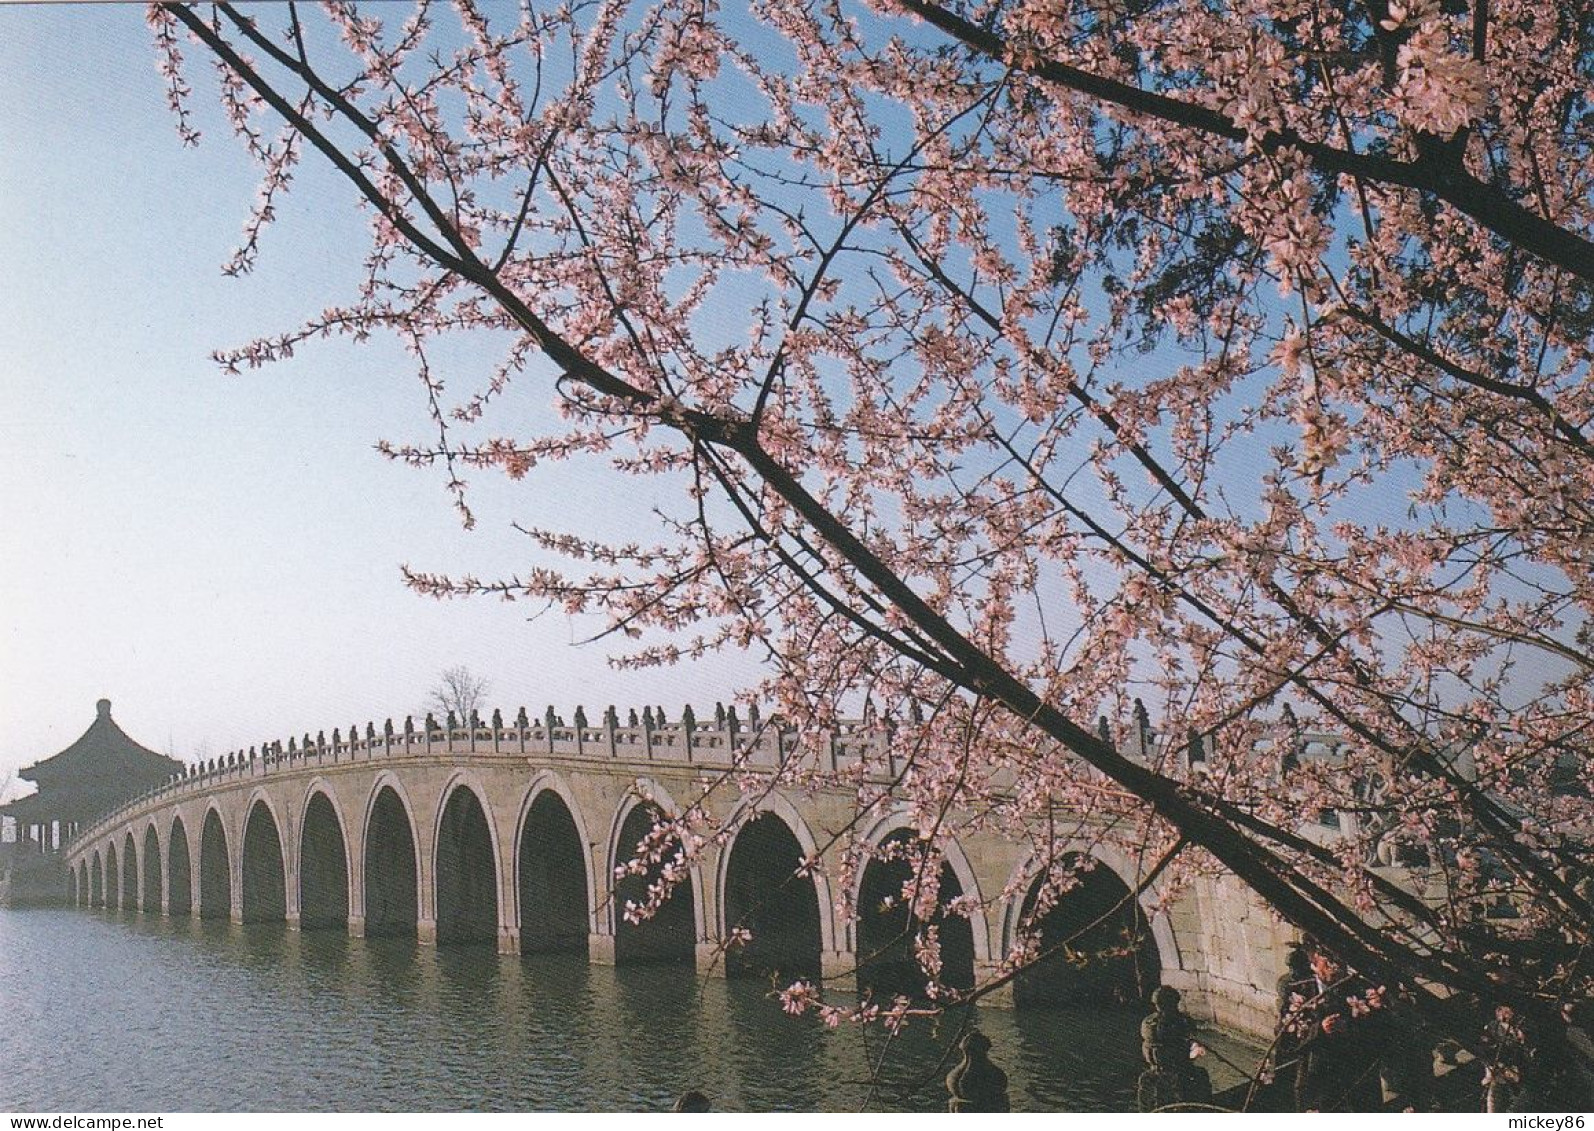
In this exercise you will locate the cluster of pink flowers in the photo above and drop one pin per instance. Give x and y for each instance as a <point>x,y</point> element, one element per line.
<point>1135,363</point>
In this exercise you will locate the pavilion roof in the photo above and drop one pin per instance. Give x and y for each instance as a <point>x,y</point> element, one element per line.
<point>27,809</point>
<point>96,773</point>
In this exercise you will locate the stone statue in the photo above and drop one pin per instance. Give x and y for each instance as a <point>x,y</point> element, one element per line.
<point>1167,1041</point>
<point>976,1084</point>
<point>694,1101</point>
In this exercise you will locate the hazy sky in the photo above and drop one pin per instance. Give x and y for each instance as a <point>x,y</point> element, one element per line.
<point>220,556</point>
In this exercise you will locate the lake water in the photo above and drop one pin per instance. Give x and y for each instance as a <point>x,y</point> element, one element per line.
<point>100,1012</point>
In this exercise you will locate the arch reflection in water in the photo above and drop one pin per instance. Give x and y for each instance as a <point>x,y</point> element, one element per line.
<point>179,871</point>
<point>399,1026</point>
<point>323,868</point>
<point>670,934</point>
<point>215,873</point>
<point>97,882</point>
<point>888,928</point>
<point>1095,944</point>
<point>467,890</point>
<point>265,879</point>
<point>1081,1059</point>
<point>552,880</point>
<point>766,895</point>
<point>390,870</point>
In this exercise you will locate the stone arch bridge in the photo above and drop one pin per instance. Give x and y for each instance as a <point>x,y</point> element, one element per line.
<point>513,833</point>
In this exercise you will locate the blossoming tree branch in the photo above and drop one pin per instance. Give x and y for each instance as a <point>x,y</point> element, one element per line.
<point>1014,363</point>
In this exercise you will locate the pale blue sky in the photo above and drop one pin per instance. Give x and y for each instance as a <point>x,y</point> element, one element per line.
<point>220,556</point>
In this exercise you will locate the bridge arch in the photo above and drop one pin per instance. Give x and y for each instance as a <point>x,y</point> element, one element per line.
<point>113,878</point>
<point>882,934</point>
<point>325,866</point>
<point>179,870</point>
<point>97,881</point>
<point>262,863</point>
<point>553,870</point>
<point>789,915</point>
<point>1111,880</point>
<point>899,820</point>
<point>150,871</point>
<point>215,867</point>
<point>672,934</point>
<point>466,868</point>
<point>129,872</point>
<point>390,861</point>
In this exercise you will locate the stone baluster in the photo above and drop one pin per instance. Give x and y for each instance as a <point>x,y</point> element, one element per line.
<point>688,730</point>
<point>1143,735</point>
<point>1291,759</point>
<point>611,723</point>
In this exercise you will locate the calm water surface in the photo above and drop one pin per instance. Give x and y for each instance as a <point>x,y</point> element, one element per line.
<point>107,1013</point>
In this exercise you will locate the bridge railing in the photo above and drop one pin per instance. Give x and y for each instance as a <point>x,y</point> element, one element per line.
<point>722,742</point>
<point>725,742</point>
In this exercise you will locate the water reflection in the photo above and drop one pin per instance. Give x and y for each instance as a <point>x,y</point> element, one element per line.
<point>111,1011</point>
